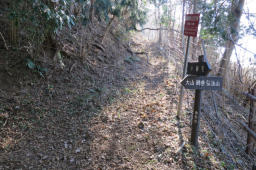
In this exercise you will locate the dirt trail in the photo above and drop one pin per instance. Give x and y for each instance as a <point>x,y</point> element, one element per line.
<point>136,130</point>
<point>141,131</point>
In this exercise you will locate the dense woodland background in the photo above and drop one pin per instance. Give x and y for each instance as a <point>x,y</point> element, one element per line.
<point>61,59</point>
<point>37,27</point>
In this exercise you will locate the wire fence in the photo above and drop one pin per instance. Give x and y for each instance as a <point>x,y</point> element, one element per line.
<point>226,113</point>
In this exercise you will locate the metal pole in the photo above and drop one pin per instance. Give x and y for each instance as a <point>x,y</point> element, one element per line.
<point>186,58</point>
<point>196,114</point>
<point>183,75</point>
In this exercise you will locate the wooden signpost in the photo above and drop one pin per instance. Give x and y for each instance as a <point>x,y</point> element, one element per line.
<point>197,77</point>
<point>198,68</point>
<point>198,80</point>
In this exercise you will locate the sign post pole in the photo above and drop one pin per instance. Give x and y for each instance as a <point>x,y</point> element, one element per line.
<point>190,29</point>
<point>196,115</point>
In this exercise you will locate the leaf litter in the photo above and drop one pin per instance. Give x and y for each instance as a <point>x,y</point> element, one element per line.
<point>90,128</point>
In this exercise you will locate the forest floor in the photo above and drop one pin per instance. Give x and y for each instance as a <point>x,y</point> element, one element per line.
<point>128,122</point>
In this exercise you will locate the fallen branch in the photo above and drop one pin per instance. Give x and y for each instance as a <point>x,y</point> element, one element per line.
<point>181,147</point>
<point>99,46</point>
<point>7,100</point>
<point>4,41</point>
<point>72,67</point>
<point>250,96</point>
<point>143,52</point>
<point>248,129</point>
<point>129,50</point>
<point>5,122</point>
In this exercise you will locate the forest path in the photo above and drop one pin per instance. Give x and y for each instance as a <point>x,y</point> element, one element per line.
<point>136,128</point>
<point>141,131</point>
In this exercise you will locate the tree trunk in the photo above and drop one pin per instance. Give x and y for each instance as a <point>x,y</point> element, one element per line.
<point>160,35</point>
<point>215,8</point>
<point>251,123</point>
<point>194,48</point>
<point>155,13</point>
<point>160,25</point>
<point>182,26</point>
<point>108,28</point>
<point>202,26</point>
<point>91,12</point>
<point>236,12</point>
<point>173,25</point>
<point>169,24</point>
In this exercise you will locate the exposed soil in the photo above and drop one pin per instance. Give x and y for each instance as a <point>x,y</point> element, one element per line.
<point>118,115</point>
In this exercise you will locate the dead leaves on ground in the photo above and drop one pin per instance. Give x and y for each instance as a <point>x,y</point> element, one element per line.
<point>141,127</point>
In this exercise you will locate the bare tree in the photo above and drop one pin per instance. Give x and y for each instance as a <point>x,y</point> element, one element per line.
<point>182,24</point>
<point>91,13</point>
<point>236,13</point>
<point>194,39</point>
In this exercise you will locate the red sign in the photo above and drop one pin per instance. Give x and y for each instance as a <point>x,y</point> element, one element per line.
<point>191,24</point>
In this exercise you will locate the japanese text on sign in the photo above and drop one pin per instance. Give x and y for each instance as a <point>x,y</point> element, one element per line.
<point>202,83</point>
<point>191,24</point>
<point>209,83</point>
<point>198,68</point>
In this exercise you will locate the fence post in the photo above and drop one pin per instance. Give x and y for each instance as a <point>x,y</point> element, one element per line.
<point>195,129</point>
<point>183,75</point>
<point>251,123</point>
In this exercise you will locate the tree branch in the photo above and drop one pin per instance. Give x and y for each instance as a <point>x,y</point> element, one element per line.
<point>4,41</point>
<point>156,29</point>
